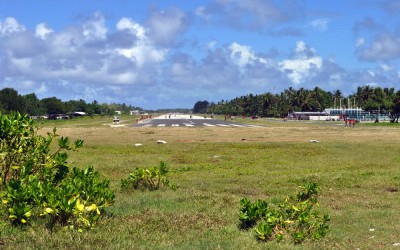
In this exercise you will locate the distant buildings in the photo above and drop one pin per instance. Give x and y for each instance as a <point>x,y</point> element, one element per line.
<point>134,112</point>
<point>337,114</point>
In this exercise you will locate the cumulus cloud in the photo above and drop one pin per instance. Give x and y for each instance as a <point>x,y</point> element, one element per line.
<point>43,31</point>
<point>167,25</point>
<point>10,25</point>
<point>225,71</point>
<point>384,47</point>
<point>302,63</point>
<point>374,42</point>
<point>142,63</point>
<point>241,54</point>
<point>87,58</point>
<point>95,28</point>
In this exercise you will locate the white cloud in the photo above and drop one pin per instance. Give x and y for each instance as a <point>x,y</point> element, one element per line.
<point>165,27</point>
<point>128,24</point>
<point>10,25</point>
<point>135,62</point>
<point>302,64</point>
<point>320,24</point>
<point>42,89</point>
<point>95,28</point>
<point>143,51</point>
<point>386,67</point>
<point>23,65</point>
<point>384,46</point>
<point>86,54</point>
<point>241,55</point>
<point>42,31</point>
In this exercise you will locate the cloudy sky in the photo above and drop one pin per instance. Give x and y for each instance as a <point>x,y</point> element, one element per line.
<point>168,54</point>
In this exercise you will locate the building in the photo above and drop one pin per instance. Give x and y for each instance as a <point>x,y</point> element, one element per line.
<point>134,112</point>
<point>337,114</point>
<point>315,116</point>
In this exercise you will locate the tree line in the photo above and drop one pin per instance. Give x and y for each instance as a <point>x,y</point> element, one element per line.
<point>368,98</point>
<point>30,104</point>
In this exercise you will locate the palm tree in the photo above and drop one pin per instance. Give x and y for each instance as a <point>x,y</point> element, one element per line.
<point>367,93</point>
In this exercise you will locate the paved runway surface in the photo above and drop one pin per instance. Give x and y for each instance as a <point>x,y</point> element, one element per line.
<point>186,121</point>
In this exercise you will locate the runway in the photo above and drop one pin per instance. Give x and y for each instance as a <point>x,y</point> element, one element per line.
<point>180,120</point>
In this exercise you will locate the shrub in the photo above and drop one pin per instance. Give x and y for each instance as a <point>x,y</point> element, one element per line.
<point>152,178</point>
<point>295,218</point>
<point>37,183</point>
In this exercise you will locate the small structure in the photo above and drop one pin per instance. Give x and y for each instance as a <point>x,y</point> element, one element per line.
<point>339,114</point>
<point>134,112</point>
<point>118,112</point>
<point>315,116</point>
<point>78,113</point>
<point>58,116</point>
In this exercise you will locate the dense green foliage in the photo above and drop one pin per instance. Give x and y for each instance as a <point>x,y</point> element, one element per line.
<point>11,101</point>
<point>152,178</point>
<point>279,105</point>
<point>295,217</point>
<point>200,107</point>
<point>37,182</point>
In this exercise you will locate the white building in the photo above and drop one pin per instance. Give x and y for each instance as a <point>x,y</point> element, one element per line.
<point>134,112</point>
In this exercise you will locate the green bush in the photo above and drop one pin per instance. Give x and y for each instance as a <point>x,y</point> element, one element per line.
<point>38,183</point>
<point>152,178</point>
<point>295,218</point>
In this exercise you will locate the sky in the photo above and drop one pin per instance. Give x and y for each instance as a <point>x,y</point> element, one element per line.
<point>170,54</point>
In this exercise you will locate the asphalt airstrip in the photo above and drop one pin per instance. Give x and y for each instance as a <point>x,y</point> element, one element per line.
<point>179,120</point>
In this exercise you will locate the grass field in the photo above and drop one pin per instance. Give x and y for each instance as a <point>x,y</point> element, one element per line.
<point>357,169</point>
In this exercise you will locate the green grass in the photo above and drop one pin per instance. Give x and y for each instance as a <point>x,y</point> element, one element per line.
<point>357,169</point>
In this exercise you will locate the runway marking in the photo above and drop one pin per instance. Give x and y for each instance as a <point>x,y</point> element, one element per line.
<point>236,125</point>
<point>254,126</point>
<point>192,124</point>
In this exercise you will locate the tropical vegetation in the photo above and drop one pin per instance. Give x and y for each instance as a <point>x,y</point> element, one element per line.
<point>30,104</point>
<point>374,99</point>
<point>38,183</point>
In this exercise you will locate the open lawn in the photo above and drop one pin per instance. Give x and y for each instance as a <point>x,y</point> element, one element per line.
<point>357,168</point>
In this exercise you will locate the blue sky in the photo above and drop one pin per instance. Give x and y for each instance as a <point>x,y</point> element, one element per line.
<point>169,54</point>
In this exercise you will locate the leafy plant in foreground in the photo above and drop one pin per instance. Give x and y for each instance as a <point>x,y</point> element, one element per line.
<point>152,178</point>
<point>294,218</point>
<point>37,183</point>
<point>250,212</point>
